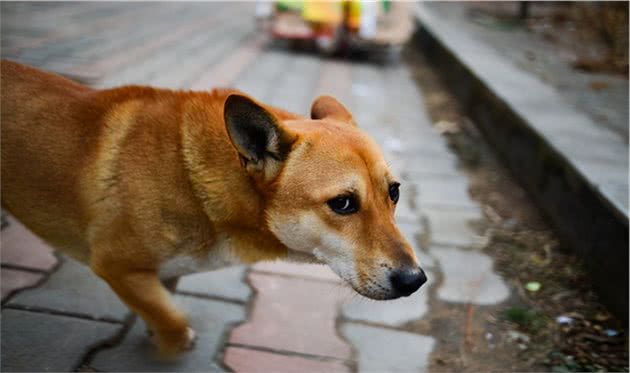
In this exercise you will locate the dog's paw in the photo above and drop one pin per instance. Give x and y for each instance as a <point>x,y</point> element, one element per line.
<point>191,338</point>
<point>170,343</point>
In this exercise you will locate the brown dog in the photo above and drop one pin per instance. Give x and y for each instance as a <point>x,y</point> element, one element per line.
<point>145,185</point>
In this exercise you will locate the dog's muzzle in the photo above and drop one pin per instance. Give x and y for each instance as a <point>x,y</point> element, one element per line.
<point>407,280</point>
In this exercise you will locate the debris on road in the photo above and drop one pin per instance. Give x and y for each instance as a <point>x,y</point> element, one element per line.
<point>533,286</point>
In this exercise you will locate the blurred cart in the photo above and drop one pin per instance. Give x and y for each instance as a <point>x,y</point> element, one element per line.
<point>338,25</point>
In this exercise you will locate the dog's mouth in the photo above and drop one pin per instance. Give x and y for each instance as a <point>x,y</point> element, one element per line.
<point>372,289</point>
<point>376,292</point>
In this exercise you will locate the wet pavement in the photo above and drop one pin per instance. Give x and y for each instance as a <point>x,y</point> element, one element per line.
<point>270,316</point>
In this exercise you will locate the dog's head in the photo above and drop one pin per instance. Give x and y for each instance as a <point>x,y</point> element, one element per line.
<point>328,193</point>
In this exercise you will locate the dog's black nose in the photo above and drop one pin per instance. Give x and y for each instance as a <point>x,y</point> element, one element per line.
<point>406,281</point>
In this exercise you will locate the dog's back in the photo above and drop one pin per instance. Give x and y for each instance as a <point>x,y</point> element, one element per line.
<point>69,150</point>
<point>44,147</point>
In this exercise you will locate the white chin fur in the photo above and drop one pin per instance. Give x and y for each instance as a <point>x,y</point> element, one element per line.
<point>341,263</point>
<point>302,257</point>
<point>307,234</point>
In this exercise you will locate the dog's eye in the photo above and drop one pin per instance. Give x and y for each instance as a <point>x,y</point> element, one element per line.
<point>394,192</point>
<point>344,205</point>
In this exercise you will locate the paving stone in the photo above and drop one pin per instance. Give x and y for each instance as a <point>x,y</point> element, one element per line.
<point>387,350</point>
<point>404,211</point>
<point>397,166</point>
<point>110,64</point>
<point>444,191</point>
<point>23,248</point>
<point>587,147</point>
<point>419,137</point>
<point>411,123</point>
<point>39,342</point>
<point>452,226</point>
<point>469,278</point>
<point>225,72</point>
<point>307,271</point>
<point>258,80</point>
<point>427,142</point>
<point>335,79</point>
<point>392,312</point>
<point>121,38</point>
<point>13,280</point>
<point>412,231</point>
<point>391,144</point>
<point>368,106</point>
<point>425,259</point>
<point>74,288</point>
<point>210,319</point>
<point>423,168</point>
<point>423,150</point>
<point>201,57</point>
<point>248,360</point>
<point>412,120</point>
<point>226,283</point>
<point>154,69</point>
<point>296,315</point>
<point>293,89</point>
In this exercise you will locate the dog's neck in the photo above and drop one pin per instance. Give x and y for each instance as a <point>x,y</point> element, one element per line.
<point>241,217</point>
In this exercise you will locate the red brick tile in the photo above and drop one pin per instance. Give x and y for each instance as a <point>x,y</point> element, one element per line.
<point>23,248</point>
<point>293,314</point>
<point>313,271</point>
<point>13,280</point>
<point>246,360</point>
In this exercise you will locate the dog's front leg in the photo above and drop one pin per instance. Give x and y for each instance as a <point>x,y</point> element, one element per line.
<point>171,285</point>
<point>145,294</point>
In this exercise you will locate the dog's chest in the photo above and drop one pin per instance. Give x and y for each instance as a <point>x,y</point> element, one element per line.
<point>219,255</point>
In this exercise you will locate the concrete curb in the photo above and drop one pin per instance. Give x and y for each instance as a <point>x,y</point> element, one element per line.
<point>527,123</point>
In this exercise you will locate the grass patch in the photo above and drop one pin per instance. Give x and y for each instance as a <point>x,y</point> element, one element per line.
<point>526,318</point>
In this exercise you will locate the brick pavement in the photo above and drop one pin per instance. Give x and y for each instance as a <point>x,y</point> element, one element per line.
<point>270,316</point>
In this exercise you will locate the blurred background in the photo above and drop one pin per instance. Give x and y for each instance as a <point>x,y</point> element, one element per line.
<point>507,123</point>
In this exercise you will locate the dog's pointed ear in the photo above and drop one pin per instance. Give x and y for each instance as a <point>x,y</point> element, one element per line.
<point>262,142</point>
<point>329,107</point>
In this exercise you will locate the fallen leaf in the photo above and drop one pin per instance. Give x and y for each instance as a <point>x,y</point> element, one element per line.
<point>533,286</point>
